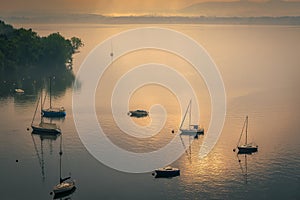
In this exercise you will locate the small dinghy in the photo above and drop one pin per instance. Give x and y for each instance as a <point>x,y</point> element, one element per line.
<point>167,172</point>
<point>138,113</point>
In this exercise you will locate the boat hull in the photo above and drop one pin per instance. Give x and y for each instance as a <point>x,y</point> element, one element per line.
<point>247,150</point>
<point>41,130</point>
<point>166,173</point>
<point>53,113</point>
<point>64,187</point>
<point>192,132</point>
<point>138,113</point>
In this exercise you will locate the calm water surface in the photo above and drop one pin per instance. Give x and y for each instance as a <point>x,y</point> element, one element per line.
<point>260,69</point>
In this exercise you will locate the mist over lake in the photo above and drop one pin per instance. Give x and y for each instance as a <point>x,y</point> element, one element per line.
<point>259,65</point>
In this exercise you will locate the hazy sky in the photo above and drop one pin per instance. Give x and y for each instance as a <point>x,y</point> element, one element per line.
<point>108,6</point>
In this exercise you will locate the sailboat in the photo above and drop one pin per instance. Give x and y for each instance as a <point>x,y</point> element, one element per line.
<point>51,111</point>
<point>246,148</point>
<point>43,127</point>
<point>192,129</point>
<point>65,186</point>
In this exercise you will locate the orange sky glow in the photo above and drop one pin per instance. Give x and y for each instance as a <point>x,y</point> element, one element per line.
<point>127,7</point>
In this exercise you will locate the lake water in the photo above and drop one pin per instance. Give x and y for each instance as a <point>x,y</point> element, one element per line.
<point>260,69</point>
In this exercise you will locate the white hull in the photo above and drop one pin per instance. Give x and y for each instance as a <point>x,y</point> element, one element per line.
<point>191,131</point>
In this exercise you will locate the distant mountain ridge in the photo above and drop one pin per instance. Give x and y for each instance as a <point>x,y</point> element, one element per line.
<point>243,8</point>
<point>100,19</point>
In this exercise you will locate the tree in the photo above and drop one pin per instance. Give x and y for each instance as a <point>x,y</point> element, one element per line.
<point>76,43</point>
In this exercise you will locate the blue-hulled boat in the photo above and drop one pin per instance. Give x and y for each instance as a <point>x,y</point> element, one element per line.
<point>43,127</point>
<point>52,112</point>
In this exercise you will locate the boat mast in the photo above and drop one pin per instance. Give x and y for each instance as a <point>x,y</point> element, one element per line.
<point>242,131</point>
<point>41,104</point>
<point>184,115</point>
<point>190,114</point>
<point>50,91</point>
<point>246,129</point>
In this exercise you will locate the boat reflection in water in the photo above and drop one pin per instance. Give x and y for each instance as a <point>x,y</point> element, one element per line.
<point>243,166</point>
<point>65,195</point>
<point>40,151</point>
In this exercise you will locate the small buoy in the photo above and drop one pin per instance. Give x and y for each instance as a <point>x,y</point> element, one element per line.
<point>27,129</point>
<point>153,174</point>
<point>239,160</point>
<point>51,193</point>
<point>17,160</point>
<point>196,136</point>
<point>173,131</point>
<point>233,150</point>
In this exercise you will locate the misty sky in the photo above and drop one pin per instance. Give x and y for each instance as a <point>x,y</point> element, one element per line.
<point>116,7</point>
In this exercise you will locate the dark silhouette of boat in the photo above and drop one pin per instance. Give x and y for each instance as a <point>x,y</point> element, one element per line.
<point>167,172</point>
<point>138,113</point>
<point>246,148</point>
<point>43,127</point>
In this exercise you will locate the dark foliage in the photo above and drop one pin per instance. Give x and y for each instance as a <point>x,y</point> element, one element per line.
<point>23,50</point>
<point>27,60</point>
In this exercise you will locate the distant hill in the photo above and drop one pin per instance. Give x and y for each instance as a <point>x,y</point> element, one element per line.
<point>243,8</point>
<point>100,19</point>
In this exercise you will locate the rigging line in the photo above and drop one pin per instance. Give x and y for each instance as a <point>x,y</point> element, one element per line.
<point>184,115</point>
<point>185,149</point>
<point>35,110</point>
<point>44,99</point>
<point>241,134</point>
<point>190,114</point>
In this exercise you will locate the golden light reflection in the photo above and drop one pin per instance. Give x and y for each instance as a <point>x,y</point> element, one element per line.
<point>147,96</point>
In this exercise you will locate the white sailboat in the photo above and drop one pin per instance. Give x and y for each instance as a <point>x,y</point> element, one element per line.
<point>246,148</point>
<point>192,129</point>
